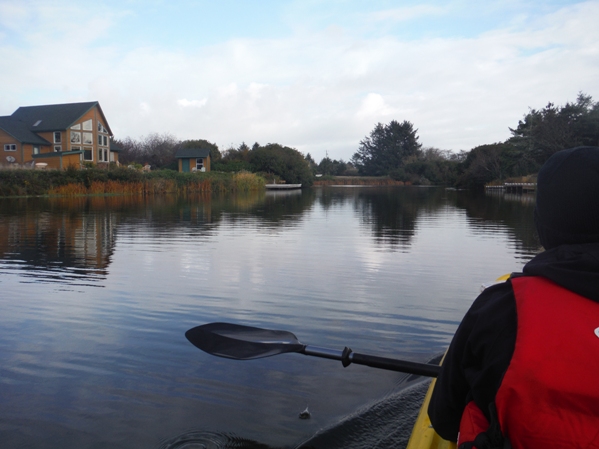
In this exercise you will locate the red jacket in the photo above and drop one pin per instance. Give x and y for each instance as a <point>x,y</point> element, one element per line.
<point>549,396</point>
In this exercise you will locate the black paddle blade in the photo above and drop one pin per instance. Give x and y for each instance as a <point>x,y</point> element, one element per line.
<point>238,342</point>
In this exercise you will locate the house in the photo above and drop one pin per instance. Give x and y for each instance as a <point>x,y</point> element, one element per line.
<point>193,159</point>
<point>56,136</point>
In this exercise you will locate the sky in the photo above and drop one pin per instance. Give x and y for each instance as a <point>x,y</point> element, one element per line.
<point>313,75</point>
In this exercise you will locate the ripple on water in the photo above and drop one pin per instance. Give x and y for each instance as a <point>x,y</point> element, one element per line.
<point>210,440</point>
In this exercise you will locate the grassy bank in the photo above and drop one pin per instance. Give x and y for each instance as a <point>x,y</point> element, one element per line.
<point>121,181</point>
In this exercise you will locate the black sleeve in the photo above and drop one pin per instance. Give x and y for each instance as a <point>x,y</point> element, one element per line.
<point>476,360</point>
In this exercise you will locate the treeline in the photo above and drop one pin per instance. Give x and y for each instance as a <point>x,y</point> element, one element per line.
<point>271,161</point>
<point>394,149</point>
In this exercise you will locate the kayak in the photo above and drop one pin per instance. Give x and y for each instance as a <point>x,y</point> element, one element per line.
<point>423,435</point>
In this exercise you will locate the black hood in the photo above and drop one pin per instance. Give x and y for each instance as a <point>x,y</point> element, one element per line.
<point>575,267</point>
<point>567,205</point>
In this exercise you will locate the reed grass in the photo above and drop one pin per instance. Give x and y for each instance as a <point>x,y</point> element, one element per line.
<point>246,181</point>
<point>121,181</point>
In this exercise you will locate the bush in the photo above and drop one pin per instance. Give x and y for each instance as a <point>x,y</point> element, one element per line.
<point>120,180</point>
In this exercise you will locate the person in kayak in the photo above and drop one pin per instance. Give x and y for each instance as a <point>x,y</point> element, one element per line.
<point>523,365</point>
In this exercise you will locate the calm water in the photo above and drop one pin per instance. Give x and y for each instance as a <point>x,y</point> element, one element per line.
<point>97,293</point>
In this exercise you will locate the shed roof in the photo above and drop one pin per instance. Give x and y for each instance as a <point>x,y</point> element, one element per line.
<point>183,153</point>
<point>53,117</point>
<point>20,131</point>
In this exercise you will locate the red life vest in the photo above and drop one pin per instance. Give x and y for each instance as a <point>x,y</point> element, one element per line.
<point>549,395</point>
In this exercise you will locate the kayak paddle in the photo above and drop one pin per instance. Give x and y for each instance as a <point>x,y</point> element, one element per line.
<point>235,341</point>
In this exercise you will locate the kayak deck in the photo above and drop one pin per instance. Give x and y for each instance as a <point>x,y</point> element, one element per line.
<point>423,434</point>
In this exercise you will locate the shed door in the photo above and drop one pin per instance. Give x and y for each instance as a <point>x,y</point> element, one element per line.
<point>185,165</point>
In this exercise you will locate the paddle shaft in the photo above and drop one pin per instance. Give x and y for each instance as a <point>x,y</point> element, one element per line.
<point>347,356</point>
<point>239,342</point>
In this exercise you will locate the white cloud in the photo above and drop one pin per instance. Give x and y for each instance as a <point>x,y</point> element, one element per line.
<point>144,108</point>
<point>192,103</point>
<point>407,13</point>
<point>374,106</point>
<point>317,91</point>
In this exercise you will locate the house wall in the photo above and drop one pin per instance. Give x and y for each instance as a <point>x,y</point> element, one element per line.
<point>27,152</point>
<point>24,152</point>
<point>192,163</point>
<point>49,136</point>
<point>60,160</point>
<point>80,144</point>
<point>6,138</point>
<point>80,133</point>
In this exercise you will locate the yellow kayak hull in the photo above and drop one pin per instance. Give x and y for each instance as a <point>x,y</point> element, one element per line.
<point>423,434</point>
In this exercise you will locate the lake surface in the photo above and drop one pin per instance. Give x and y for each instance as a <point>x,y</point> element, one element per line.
<point>97,293</point>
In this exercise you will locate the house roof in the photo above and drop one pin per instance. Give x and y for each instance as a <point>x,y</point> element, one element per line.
<point>192,152</point>
<point>114,147</point>
<point>54,117</point>
<point>21,131</point>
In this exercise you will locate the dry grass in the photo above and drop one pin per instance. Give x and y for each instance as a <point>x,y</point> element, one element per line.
<point>199,186</point>
<point>121,182</point>
<point>157,186</point>
<point>99,188</point>
<point>69,190</point>
<point>245,181</point>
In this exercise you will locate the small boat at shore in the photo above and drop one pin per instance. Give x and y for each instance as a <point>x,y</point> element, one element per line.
<point>282,186</point>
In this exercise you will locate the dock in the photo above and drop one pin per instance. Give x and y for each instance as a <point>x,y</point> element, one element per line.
<point>282,186</point>
<point>515,187</point>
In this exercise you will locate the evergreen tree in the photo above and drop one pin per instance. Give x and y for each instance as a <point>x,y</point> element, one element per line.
<point>386,148</point>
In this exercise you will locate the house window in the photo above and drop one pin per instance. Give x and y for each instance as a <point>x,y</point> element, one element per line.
<point>75,148</point>
<point>101,155</point>
<point>105,140</point>
<point>87,154</point>
<point>199,163</point>
<point>57,148</point>
<point>88,138</point>
<point>36,149</point>
<point>10,147</point>
<point>77,126</point>
<point>87,125</point>
<point>57,137</point>
<point>75,137</point>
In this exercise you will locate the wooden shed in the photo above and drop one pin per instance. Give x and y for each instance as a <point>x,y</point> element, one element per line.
<point>193,159</point>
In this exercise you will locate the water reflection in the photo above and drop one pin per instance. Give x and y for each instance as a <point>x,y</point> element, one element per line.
<point>386,271</point>
<point>393,215</point>
<point>58,239</point>
<point>74,238</point>
<point>491,211</point>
